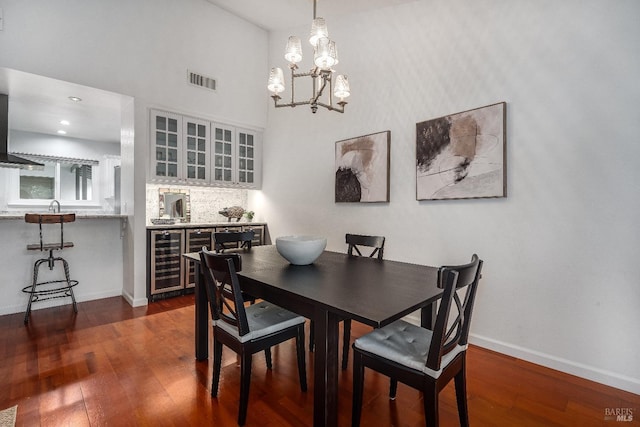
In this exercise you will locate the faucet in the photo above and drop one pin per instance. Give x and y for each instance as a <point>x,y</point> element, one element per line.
<point>52,207</point>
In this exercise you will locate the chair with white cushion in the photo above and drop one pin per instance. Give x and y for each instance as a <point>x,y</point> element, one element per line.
<point>245,330</point>
<point>423,359</point>
<point>356,244</point>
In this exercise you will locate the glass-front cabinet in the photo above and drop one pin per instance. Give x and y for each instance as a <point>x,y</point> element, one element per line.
<point>190,150</point>
<point>224,153</point>
<point>197,149</point>
<point>166,135</point>
<point>246,157</point>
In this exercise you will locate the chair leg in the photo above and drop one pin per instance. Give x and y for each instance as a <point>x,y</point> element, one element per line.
<point>65,264</point>
<point>393,388</point>
<point>358,389</point>
<point>217,365</point>
<point>245,382</point>
<point>461,397</point>
<point>430,396</point>
<point>302,365</point>
<point>312,336</point>
<point>267,357</point>
<point>346,338</point>
<point>36,267</point>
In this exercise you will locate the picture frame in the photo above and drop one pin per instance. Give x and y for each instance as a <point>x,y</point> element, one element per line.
<point>462,155</point>
<point>362,167</point>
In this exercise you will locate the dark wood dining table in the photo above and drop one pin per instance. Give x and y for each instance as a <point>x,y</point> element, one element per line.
<point>336,286</point>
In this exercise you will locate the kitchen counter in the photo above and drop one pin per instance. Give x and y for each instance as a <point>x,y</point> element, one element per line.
<point>79,215</point>
<point>203,224</point>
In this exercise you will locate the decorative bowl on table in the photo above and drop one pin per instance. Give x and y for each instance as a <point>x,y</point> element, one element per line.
<point>300,250</point>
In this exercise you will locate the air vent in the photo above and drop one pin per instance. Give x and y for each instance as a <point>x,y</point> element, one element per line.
<point>200,80</point>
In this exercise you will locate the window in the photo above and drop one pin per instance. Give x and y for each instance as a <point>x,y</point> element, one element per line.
<point>66,180</point>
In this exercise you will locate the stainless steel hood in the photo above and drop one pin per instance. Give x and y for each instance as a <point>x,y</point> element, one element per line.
<point>9,160</point>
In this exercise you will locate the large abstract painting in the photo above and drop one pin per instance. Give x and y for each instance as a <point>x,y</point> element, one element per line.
<point>362,168</point>
<point>462,155</point>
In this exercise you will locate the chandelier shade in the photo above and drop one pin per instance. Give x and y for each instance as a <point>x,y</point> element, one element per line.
<point>293,51</point>
<point>342,87</point>
<point>318,30</point>
<point>325,57</point>
<point>276,80</point>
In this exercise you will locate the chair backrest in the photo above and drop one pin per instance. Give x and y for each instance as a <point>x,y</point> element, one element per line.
<point>223,288</point>
<point>223,239</point>
<point>356,240</point>
<point>58,218</point>
<point>460,284</point>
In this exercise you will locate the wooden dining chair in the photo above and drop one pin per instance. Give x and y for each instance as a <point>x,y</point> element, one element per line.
<point>356,244</point>
<point>423,359</point>
<point>245,330</point>
<point>223,240</point>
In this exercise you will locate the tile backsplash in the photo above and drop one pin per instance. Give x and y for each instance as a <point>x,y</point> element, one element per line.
<point>205,201</point>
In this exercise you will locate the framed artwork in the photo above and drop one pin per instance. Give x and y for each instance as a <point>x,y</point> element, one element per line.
<point>463,155</point>
<point>362,168</point>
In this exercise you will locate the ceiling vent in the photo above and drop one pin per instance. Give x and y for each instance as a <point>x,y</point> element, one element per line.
<point>200,80</point>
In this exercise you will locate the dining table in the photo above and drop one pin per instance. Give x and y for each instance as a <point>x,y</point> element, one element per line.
<point>334,287</point>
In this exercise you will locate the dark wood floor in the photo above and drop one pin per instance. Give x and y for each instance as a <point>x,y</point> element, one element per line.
<point>120,366</point>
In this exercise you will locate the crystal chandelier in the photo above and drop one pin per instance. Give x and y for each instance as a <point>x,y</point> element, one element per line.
<point>324,58</point>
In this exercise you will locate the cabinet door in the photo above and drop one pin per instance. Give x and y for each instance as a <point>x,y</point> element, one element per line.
<point>166,149</point>
<point>166,247</point>
<point>196,239</point>
<point>196,150</point>
<point>224,152</point>
<point>248,160</point>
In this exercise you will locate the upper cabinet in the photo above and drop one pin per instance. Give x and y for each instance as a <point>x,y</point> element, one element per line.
<point>166,135</point>
<point>235,157</point>
<point>186,150</point>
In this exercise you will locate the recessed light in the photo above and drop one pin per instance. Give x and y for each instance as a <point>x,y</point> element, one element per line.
<point>62,132</point>
<point>65,122</point>
<point>75,99</point>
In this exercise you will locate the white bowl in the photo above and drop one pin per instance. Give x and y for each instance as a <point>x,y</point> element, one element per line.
<point>300,250</point>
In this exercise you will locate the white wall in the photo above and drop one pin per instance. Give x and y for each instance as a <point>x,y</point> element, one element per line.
<point>560,283</point>
<point>143,49</point>
<point>97,250</point>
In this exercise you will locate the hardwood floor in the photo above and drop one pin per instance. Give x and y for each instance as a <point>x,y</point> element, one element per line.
<point>113,365</point>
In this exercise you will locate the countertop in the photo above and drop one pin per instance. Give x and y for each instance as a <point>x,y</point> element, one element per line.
<point>79,215</point>
<point>202,224</point>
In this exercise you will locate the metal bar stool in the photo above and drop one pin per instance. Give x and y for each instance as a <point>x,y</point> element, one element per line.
<point>41,291</point>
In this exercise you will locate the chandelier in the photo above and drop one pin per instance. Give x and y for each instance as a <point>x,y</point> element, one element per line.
<point>325,56</point>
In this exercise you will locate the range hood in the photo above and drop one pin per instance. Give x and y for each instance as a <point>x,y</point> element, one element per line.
<point>9,160</point>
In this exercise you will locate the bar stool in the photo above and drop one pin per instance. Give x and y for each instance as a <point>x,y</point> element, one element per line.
<point>41,291</point>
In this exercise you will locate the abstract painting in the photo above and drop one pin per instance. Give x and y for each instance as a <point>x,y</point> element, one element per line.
<point>462,155</point>
<point>362,168</point>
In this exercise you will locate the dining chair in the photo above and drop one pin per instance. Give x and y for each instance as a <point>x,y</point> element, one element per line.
<point>355,243</point>
<point>423,359</point>
<point>245,330</point>
<point>223,240</point>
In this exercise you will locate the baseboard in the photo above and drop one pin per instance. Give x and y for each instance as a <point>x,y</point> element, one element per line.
<point>133,302</point>
<point>13,309</point>
<point>591,373</point>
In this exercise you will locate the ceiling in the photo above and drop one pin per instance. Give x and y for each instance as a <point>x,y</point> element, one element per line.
<point>281,14</point>
<point>38,104</point>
